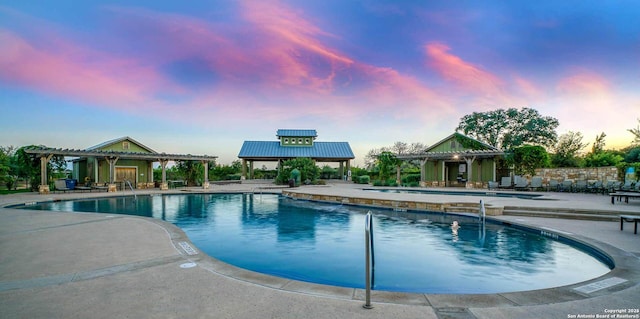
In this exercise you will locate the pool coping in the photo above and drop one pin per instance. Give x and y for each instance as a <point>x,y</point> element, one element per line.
<point>627,270</point>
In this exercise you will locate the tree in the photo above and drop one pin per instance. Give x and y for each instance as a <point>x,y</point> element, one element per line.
<point>565,152</point>
<point>527,158</point>
<point>599,157</point>
<point>510,128</point>
<point>308,170</point>
<point>636,134</point>
<point>6,154</point>
<point>598,145</point>
<point>191,171</point>
<point>387,162</point>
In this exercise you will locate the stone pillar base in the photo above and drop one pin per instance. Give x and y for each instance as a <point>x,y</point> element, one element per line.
<point>205,185</point>
<point>43,189</point>
<point>151,185</point>
<point>112,188</point>
<point>164,186</point>
<point>423,184</point>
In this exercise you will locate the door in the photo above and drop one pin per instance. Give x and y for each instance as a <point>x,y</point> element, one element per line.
<point>127,174</point>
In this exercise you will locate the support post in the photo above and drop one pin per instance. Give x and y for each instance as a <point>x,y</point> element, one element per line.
<point>164,185</point>
<point>244,169</point>
<point>112,173</point>
<point>205,184</point>
<point>43,188</point>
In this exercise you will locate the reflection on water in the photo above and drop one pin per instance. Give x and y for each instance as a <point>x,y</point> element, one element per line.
<point>415,252</point>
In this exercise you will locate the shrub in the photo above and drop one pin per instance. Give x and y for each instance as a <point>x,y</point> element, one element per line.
<point>364,179</point>
<point>411,179</point>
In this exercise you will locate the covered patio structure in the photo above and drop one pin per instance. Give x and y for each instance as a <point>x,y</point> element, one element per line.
<point>295,143</point>
<point>457,160</point>
<point>112,157</point>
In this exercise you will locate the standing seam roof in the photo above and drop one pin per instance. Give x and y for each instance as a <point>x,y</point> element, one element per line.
<point>325,150</point>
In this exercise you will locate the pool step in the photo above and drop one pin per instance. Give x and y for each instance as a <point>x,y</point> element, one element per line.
<point>581,214</point>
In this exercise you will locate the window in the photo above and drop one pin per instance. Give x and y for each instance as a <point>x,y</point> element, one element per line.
<point>125,145</point>
<point>286,140</point>
<point>299,141</point>
<point>306,141</point>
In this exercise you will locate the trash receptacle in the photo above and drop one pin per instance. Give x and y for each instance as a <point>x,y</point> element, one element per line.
<point>71,183</point>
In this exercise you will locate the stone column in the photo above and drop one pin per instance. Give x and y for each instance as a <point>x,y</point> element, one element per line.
<point>423,173</point>
<point>469,161</point>
<point>150,183</point>
<point>164,185</point>
<point>205,184</point>
<point>244,169</point>
<point>43,188</point>
<point>341,170</point>
<point>349,170</point>
<point>112,173</point>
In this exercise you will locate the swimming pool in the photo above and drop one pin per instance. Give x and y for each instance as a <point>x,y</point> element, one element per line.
<point>323,243</point>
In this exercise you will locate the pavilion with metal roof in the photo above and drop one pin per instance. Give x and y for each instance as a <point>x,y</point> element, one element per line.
<point>457,160</point>
<point>294,143</point>
<point>98,165</point>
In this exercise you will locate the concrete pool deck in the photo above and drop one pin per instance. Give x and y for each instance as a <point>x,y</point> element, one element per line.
<point>86,265</point>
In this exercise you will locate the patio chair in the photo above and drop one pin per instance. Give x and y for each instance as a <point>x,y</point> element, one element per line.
<point>553,185</point>
<point>493,185</point>
<point>536,183</point>
<point>566,186</point>
<point>61,185</point>
<point>595,187</point>
<point>581,186</point>
<point>505,182</point>
<point>521,183</point>
<point>628,185</point>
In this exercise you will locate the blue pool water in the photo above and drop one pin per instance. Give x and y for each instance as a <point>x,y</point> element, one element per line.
<point>323,243</point>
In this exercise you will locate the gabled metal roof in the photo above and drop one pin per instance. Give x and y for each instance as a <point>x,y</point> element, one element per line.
<point>487,146</point>
<point>296,133</point>
<point>266,150</point>
<point>118,140</point>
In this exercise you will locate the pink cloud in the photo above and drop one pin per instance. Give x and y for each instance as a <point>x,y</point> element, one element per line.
<point>466,75</point>
<point>75,72</point>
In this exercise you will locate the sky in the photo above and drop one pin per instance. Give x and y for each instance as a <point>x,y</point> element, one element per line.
<point>201,77</point>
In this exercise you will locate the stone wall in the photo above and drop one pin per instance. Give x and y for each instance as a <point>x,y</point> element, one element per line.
<point>590,174</point>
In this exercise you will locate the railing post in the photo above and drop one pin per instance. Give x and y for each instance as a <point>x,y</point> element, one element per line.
<point>368,248</point>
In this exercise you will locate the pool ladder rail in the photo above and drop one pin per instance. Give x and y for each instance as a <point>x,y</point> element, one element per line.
<point>135,197</point>
<point>482,219</point>
<point>369,259</point>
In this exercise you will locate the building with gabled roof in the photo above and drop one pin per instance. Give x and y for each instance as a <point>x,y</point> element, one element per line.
<point>294,143</point>
<point>115,162</point>
<point>457,160</point>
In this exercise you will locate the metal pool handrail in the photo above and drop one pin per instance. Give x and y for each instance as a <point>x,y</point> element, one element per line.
<point>135,198</point>
<point>369,259</point>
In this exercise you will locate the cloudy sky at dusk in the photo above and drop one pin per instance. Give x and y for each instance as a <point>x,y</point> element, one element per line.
<point>201,77</point>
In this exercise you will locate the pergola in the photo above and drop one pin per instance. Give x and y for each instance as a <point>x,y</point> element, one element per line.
<point>468,156</point>
<point>45,154</point>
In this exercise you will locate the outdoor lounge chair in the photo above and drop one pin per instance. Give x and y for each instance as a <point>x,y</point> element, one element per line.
<point>596,187</point>
<point>505,182</point>
<point>553,185</point>
<point>536,183</point>
<point>581,186</point>
<point>521,183</point>
<point>61,185</point>
<point>566,186</point>
<point>628,185</point>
